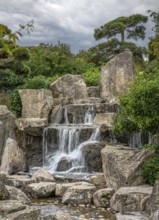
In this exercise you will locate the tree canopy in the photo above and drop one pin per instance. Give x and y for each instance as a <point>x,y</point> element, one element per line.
<point>132,26</point>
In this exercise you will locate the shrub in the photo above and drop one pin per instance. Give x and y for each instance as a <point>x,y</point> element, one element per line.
<point>16,105</point>
<point>91,76</point>
<point>37,82</point>
<point>150,171</point>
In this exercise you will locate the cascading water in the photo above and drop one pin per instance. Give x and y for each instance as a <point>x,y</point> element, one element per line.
<point>68,155</point>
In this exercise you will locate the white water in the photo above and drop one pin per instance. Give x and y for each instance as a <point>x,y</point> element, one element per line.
<point>69,143</point>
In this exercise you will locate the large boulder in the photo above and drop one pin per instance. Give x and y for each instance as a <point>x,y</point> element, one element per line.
<point>36,103</point>
<point>131,199</point>
<point>13,159</point>
<point>116,76</point>
<point>69,86</point>
<point>7,126</point>
<point>122,166</point>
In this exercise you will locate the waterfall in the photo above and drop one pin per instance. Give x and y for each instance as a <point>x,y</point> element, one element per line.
<point>68,155</point>
<point>135,140</point>
<point>89,115</point>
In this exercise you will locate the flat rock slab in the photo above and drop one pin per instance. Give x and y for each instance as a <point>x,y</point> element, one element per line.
<point>27,214</point>
<point>131,199</point>
<point>61,188</point>
<point>10,206</point>
<point>42,189</point>
<point>42,175</point>
<point>81,194</point>
<point>19,181</point>
<point>131,216</point>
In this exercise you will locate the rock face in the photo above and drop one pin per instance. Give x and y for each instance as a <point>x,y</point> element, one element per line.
<point>13,159</point>
<point>4,194</point>
<point>131,199</point>
<point>153,204</point>
<point>98,181</point>
<point>93,91</point>
<point>92,156</point>
<point>116,75</point>
<point>122,165</point>
<point>69,86</point>
<point>7,126</point>
<point>36,103</point>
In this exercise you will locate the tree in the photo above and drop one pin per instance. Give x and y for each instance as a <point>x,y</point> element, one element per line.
<point>132,26</point>
<point>8,40</point>
<point>154,41</point>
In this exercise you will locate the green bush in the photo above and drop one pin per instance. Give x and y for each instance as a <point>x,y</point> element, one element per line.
<point>91,76</point>
<point>21,53</point>
<point>37,82</point>
<point>150,171</point>
<point>15,101</point>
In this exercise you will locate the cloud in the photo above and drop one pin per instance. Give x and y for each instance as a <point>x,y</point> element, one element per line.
<point>69,21</point>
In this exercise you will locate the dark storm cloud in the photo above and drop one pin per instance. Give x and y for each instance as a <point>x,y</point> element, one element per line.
<point>68,21</point>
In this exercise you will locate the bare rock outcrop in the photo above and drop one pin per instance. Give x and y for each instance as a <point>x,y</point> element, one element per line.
<point>69,86</point>
<point>122,166</point>
<point>13,159</point>
<point>116,76</point>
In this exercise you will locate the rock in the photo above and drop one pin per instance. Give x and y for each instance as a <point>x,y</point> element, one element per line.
<point>13,159</point>
<point>131,216</point>
<point>92,156</point>
<point>3,177</point>
<point>4,194</point>
<point>64,164</point>
<point>89,100</point>
<point>41,190</point>
<point>32,126</point>
<point>69,86</point>
<point>116,76</point>
<point>42,175</point>
<point>56,115</point>
<point>93,91</point>
<point>36,103</point>
<point>62,215</point>
<point>81,194</point>
<point>98,181</point>
<point>155,216</point>
<point>62,187</point>
<point>29,213</point>
<point>153,204</point>
<point>107,108</point>
<point>7,126</point>
<point>19,181</point>
<point>101,198</point>
<point>104,118</point>
<point>131,199</point>
<point>34,150</point>
<point>17,194</point>
<point>122,166</point>
<point>10,206</point>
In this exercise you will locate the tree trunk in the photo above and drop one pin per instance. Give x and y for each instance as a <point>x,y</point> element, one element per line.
<point>122,37</point>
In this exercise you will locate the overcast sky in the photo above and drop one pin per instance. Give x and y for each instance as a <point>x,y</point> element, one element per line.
<point>69,21</point>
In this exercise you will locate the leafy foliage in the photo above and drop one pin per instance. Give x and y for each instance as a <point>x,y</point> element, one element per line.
<point>132,25</point>
<point>150,171</point>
